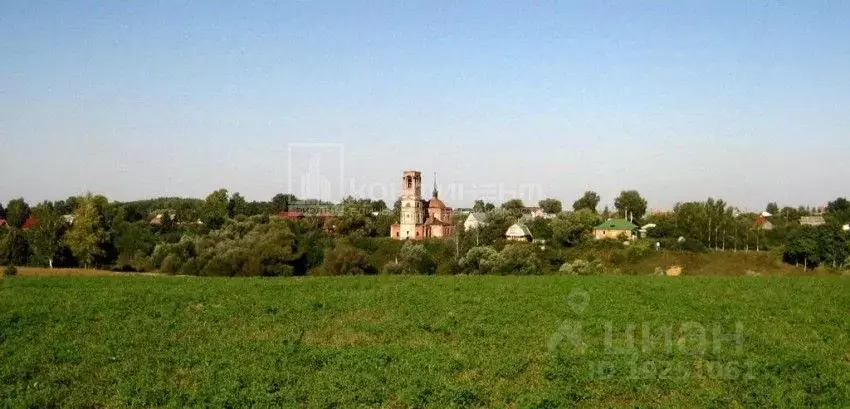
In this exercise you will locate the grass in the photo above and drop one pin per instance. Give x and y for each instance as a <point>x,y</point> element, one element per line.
<point>457,341</point>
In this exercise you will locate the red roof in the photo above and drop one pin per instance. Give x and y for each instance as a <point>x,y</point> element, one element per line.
<point>30,222</point>
<point>291,215</point>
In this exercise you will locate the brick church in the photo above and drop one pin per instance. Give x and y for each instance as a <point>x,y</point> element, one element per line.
<point>420,218</point>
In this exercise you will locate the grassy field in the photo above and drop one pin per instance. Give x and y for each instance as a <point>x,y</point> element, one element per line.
<point>526,342</point>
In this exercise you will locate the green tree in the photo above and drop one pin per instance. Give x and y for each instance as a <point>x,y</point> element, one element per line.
<point>87,233</point>
<point>481,260</point>
<point>379,206</point>
<point>14,248</point>
<point>133,240</point>
<point>570,229</point>
<point>281,202</point>
<point>237,205</point>
<point>415,259</point>
<point>216,209</point>
<point>520,259</point>
<point>589,201</point>
<point>497,224</point>
<point>551,206</point>
<point>17,212</point>
<point>803,247</point>
<point>345,259</point>
<point>515,206</point>
<point>478,206</point>
<point>631,204</point>
<point>2,212</point>
<point>838,210</point>
<point>45,237</point>
<point>772,208</point>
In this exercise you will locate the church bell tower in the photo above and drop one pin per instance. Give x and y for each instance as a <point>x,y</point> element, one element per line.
<point>412,213</point>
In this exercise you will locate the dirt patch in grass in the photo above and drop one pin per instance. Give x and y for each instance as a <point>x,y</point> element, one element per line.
<point>58,272</point>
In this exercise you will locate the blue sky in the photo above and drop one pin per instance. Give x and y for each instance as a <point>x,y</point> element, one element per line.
<point>747,101</point>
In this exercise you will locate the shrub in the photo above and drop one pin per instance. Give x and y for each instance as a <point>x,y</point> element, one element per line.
<point>693,245</point>
<point>140,261</point>
<point>450,267</point>
<point>582,268</point>
<point>481,260</point>
<point>10,271</point>
<point>393,268</point>
<point>171,264</point>
<point>344,259</point>
<point>415,259</point>
<point>520,259</point>
<point>639,249</point>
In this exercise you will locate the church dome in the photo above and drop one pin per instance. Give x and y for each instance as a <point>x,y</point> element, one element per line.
<point>436,203</point>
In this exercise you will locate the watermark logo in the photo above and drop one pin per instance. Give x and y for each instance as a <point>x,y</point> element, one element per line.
<point>570,329</point>
<point>316,170</point>
<point>650,350</point>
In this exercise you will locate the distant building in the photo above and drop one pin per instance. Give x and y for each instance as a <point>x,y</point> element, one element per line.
<point>421,219</point>
<point>536,212</point>
<point>475,221</point>
<point>812,221</point>
<point>157,220</point>
<point>518,232</point>
<point>463,210</point>
<point>291,215</point>
<point>614,228</point>
<point>762,223</point>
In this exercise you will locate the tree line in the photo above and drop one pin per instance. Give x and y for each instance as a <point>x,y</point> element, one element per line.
<point>224,234</point>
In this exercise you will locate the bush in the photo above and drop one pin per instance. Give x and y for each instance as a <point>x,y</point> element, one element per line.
<point>693,245</point>
<point>393,268</point>
<point>415,259</point>
<point>10,271</point>
<point>582,268</point>
<point>481,260</point>
<point>520,259</point>
<point>639,249</point>
<point>171,264</point>
<point>345,260</point>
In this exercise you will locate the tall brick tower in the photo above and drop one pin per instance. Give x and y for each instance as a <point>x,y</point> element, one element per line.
<point>412,211</point>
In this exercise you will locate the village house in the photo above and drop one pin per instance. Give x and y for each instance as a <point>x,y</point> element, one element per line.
<point>812,221</point>
<point>475,220</point>
<point>421,219</point>
<point>614,228</point>
<point>518,232</point>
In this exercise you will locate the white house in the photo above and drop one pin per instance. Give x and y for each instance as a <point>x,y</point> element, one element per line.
<point>474,221</point>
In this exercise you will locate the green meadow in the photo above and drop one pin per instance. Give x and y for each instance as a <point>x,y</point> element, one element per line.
<point>425,341</point>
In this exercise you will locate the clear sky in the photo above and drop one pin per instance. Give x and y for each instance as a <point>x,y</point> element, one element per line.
<point>744,100</point>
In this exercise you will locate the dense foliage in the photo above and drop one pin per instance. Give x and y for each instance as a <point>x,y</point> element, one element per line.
<point>226,235</point>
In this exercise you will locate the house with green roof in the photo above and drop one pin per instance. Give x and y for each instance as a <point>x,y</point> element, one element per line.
<point>614,228</point>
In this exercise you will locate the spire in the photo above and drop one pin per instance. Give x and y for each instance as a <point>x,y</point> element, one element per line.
<point>435,184</point>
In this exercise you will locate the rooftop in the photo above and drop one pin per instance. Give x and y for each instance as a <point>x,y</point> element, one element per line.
<point>616,224</point>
